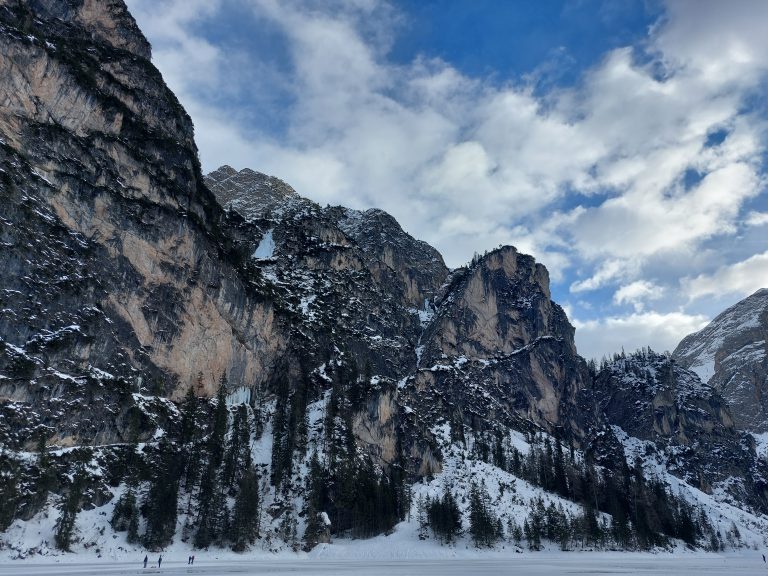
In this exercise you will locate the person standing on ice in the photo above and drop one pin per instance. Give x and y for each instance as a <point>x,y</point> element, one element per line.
<point>145,560</point>
<point>159,560</point>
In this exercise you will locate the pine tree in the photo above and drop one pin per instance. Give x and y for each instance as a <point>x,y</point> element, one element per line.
<point>124,510</point>
<point>235,453</point>
<point>10,480</point>
<point>212,513</point>
<point>317,501</point>
<point>65,526</point>
<point>561,482</point>
<point>46,475</point>
<point>483,525</point>
<point>288,531</point>
<point>209,487</point>
<point>219,427</point>
<point>161,500</point>
<point>133,524</point>
<point>281,449</point>
<point>189,410</point>
<point>444,517</point>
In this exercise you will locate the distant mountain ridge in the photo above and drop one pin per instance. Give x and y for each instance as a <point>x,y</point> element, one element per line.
<point>731,354</point>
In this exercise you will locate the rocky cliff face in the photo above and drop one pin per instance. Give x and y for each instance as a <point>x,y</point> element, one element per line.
<point>127,277</point>
<point>483,346</point>
<point>731,354</point>
<point>497,349</point>
<point>119,277</point>
<point>130,277</point>
<point>353,282</point>
<point>651,398</point>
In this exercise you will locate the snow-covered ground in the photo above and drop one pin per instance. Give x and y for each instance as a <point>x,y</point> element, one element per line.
<point>27,546</point>
<point>520,564</point>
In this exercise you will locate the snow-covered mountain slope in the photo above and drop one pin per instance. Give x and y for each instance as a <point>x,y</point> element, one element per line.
<point>651,398</point>
<point>528,518</point>
<point>350,368</point>
<point>731,354</point>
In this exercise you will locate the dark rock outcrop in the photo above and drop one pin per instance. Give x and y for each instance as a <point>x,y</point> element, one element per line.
<point>652,398</point>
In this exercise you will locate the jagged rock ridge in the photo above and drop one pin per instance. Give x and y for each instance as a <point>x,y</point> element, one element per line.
<point>650,397</point>
<point>731,354</point>
<point>481,346</point>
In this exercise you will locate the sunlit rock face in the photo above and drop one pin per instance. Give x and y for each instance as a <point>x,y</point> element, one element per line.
<point>119,277</point>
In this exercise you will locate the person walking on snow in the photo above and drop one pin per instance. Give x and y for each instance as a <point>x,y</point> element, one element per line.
<point>159,560</point>
<point>145,560</point>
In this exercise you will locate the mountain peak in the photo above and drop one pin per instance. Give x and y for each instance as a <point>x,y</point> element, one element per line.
<point>731,354</point>
<point>107,21</point>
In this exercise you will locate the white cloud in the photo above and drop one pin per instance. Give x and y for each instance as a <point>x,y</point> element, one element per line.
<point>184,58</point>
<point>637,294</point>
<point>662,332</point>
<point>724,41</point>
<point>607,272</point>
<point>453,157</point>
<point>757,219</point>
<point>742,278</point>
<point>643,222</point>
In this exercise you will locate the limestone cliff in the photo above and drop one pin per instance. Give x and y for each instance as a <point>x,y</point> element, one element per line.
<point>496,328</point>
<point>119,277</point>
<point>731,354</point>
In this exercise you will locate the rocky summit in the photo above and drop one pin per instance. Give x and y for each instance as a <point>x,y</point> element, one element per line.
<point>215,361</point>
<point>731,354</point>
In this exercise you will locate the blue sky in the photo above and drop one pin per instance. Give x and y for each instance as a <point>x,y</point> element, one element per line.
<point>623,144</point>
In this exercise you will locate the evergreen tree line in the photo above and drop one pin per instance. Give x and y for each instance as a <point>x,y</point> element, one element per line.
<point>199,473</point>
<point>359,499</point>
<point>203,470</point>
<point>207,465</point>
<point>643,512</point>
<point>443,516</point>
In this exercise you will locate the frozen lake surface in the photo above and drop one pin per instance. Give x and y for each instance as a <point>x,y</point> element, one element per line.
<point>599,563</point>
